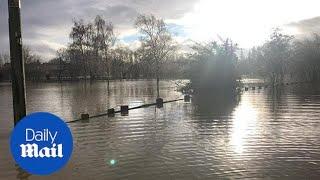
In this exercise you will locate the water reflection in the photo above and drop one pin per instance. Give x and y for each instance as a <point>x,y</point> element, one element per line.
<point>265,134</point>
<point>22,175</point>
<point>215,104</point>
<point>243,125</point>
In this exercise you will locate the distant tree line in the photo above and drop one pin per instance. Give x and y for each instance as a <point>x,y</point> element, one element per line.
<point>32,65</point>
<point>93,53</point>
<point>284,58</point>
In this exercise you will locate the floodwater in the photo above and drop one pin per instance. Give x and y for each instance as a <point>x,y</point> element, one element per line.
<point>262,134</point>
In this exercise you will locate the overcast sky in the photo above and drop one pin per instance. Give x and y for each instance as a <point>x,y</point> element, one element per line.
<point>47,23</point>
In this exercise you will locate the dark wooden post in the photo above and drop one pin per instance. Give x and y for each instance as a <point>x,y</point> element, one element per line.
<point>17,63</point>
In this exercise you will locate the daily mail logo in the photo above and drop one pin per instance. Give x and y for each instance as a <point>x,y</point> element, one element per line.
<point>33,150</point>
<point>41,143</point>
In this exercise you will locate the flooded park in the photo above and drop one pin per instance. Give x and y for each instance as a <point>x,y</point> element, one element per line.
<point>159,90</point>
<point>260,134</point>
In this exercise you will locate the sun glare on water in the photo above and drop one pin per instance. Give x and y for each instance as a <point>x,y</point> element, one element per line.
<point>245,118</point>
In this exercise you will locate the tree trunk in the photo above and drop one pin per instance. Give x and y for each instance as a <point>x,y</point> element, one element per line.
<point>157,71</point>
<point>158,90</point>
<point>108,67</point>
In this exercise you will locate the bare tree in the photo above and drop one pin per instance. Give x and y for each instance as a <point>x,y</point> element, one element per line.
<point>156,41</point>
<point>63,58</point>
<point>122,60</point>
<point>104,40</point>
<point>28,56</point>
<point>78,36</point>
<point>273,58</point>
<point>4,58</point>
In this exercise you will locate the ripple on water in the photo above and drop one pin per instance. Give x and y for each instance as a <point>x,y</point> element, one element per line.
<point>263,135</point>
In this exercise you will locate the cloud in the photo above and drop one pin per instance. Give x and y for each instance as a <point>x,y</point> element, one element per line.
<point>307,26</point>
<point>46,23</point>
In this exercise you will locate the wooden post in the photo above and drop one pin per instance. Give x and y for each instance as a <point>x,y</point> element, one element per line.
<point>111,112</point>
<point>85,116</point>
<point>158,90</point>
<point>17,63</point>
<point>124,110</point>
<point>187,98</point>
<point>159,102</point>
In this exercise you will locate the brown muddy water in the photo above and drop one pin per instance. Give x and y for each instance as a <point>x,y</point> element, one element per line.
<point>262,134</point>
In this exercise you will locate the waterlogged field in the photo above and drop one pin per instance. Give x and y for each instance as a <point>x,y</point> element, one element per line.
<point>262,134</point>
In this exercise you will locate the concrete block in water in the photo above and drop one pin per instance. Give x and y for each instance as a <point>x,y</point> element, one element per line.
<point>159,102</point>
<point>124,109</point>
<point>84,116</point>
<point>111,112</point>
<point>187,98</point>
